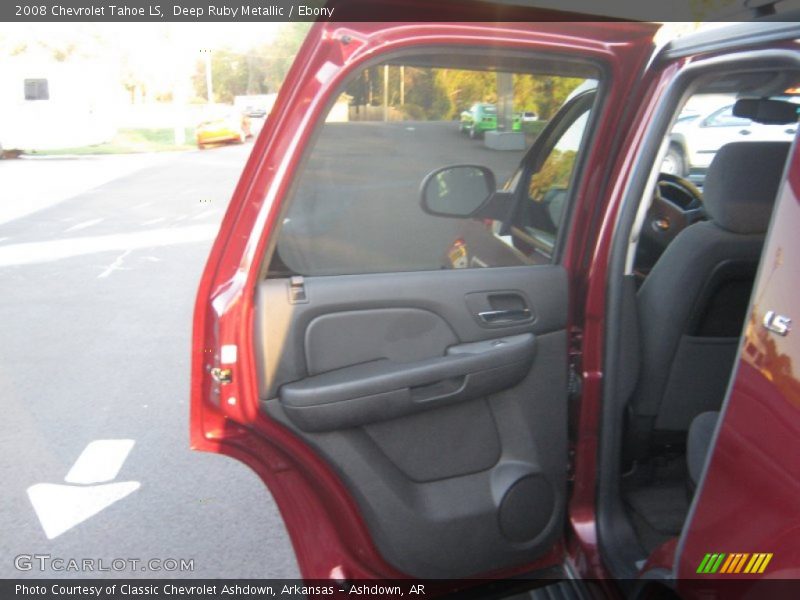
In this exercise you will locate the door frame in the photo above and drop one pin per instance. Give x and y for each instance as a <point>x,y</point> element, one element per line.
<point>673,79</point>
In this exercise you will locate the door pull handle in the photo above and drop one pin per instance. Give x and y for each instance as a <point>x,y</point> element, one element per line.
<point>505,316</point>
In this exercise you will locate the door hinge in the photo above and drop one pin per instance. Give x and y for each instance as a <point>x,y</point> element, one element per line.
<point>574,388</point>
<point>574,383</point>
<point>575,380</point>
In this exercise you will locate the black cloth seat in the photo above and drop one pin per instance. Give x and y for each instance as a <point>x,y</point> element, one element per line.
<point>692,306</point>
<point>698,443</point>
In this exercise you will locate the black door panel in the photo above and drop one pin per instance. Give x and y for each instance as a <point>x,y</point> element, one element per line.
<point>450,299</point>
<point>383,389</point>
<point>450,434</point>
<point>339,339</point>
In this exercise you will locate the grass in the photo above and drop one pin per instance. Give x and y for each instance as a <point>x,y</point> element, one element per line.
<point>128,141</point>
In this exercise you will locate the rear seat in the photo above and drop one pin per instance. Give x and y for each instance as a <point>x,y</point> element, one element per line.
<point>698,444</point>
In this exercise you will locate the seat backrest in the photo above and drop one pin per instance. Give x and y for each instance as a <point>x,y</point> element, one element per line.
<point>692,305</point>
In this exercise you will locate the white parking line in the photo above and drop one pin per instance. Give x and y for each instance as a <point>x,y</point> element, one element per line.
<point>154,221</point>
<point>205,213</point>
<point>117,264</point>
<point>84,225</point>
<point>31,185</point>
<point>100,461</point>
<point>49,250</point>
<point>61,507</point>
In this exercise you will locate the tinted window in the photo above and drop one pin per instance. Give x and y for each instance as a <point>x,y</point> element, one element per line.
<point>355,206</point>
<point>725,118</point>
<point>549,187</point>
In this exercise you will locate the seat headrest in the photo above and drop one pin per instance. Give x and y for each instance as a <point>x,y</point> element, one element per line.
<point>741,184</point>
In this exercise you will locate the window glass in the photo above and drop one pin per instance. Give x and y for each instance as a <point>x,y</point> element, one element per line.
<point>355,206</point>
<point>705,124</point>
<point>36,89</point>
<point>548,188</point>
<point>725,118</point>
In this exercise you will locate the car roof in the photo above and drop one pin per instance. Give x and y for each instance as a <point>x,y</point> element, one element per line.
<point>729,36</point>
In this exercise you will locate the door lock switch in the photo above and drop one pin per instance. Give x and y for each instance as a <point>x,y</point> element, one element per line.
<point>297,290</point>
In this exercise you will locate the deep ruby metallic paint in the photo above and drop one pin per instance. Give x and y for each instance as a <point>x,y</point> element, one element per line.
<point>448,11</point>
<point>663,557</point>
<point>587,256</point>
<point>750,498</point>
<point>761,419</point>
<point>322,519</point>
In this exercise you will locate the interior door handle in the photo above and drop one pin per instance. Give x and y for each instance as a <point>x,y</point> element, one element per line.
<point>505,316</point>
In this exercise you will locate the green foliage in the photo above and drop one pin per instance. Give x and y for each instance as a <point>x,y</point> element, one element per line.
<point>543,94</point>
<point>230,72</point>
<point>261,70</point>
<point>421,89</point>
<point>279,55</point>
<point>463,89</point>
<point>554,174</point>
<point>413,112</point>
<point>443,94</point>
<point>533,127</point>
<point>128,141</point>
<point>424,91</point>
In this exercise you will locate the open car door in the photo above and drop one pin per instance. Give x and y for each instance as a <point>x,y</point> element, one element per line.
<point>408,416</point>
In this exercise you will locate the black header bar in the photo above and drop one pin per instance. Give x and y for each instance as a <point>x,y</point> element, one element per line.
<point>387,10</point>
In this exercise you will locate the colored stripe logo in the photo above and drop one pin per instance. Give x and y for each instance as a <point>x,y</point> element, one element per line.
<point>736,562</point>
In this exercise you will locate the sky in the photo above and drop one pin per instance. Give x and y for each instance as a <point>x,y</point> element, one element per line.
<point>238,36</point>
<point>156,53</point>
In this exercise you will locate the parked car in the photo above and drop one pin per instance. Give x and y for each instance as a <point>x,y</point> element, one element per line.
<point>551,418</point>
<point>482,117</point>
<point>696,137</point>
<point>256,112</point>
<point>479,118</point>
<point>222,125</point>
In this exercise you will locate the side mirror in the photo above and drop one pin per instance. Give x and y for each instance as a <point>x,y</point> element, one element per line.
<point>456,191</point>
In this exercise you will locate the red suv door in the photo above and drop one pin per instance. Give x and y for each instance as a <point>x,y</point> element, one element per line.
<point>408,419</point>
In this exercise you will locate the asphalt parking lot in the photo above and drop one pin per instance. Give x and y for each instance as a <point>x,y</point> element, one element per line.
<point>99,263</point>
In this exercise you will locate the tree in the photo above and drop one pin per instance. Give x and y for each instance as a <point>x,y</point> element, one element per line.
<point>464,88</point>
<point>543,94</point>
<point>554,174</point>
<point>228,79</point>
<point>277,57</point>
<point>258,70</point>
<point>442,94</point>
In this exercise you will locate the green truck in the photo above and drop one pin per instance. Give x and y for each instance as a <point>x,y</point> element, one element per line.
<point>482,117</point>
